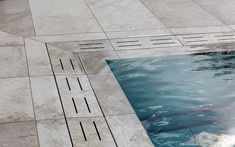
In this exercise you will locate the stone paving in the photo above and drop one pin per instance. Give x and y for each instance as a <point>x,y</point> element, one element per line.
<point>56,87</point>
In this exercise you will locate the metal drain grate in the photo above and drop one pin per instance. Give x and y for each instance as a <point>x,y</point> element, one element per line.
<point>147,42</point>
<point>84,46</point>
<point>90,132</point>
<point>77,96</point>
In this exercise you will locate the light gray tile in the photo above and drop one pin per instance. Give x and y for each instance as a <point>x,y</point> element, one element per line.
<point>45,98</point>
<point>95,62</point>
<point>53,133</point>
<point>20,134</point>
<point>123,15</point>
<point>69,37</point>
<point>222,9</point>
<point>84,46</point>
<point>64,61</point>
<point>77,96</point>
<point>197,30</point>
<point>7,39</point>
<point>13,62</point>
<point>138,33</point>
<point>180,13</point>
<point>15,100</point>
<point>128,131</point>
<point>15,17</point>
<point>96,132</point>
<point>110,95</point>
<point>53,17</point>
<point>37,56</point>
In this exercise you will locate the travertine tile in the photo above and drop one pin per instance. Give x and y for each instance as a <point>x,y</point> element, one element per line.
<point>180,13</point>
<point>70,37</point>
<point>77,96</point>
<point>138,33</point>
<point>7,39</point>
<point>13,62</point>
<point>64,62</point>
<point>223,10</point>
<point>20,134</point>
<point>197,30</point>
<point>110,95</point>
<point>37,56</point>
<point>53,17</point>
<point>128,131</point>
<point>45,98</point>
<point>96,132</point>
<point>16,18</point>
<point>123,15</point>
<point>53,133</point>
<point>95,62</point>
<point>85,46</point>
<point>15,100</point>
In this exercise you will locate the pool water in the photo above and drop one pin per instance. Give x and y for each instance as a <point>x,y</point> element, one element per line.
<point>182,100</point>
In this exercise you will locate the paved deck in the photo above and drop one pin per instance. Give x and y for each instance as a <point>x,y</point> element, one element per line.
<point>56,88</point>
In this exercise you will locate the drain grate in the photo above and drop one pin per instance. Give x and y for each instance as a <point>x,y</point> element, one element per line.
<point>77,96</point>
<point>147,42</point>
<point>90,132</point>
<point>84,46</point>
<point>64,61</point>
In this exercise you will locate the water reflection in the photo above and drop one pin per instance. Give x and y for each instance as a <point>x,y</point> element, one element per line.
<point>174,96</point>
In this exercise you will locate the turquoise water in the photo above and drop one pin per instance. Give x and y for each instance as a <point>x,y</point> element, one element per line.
<point>182,100</point>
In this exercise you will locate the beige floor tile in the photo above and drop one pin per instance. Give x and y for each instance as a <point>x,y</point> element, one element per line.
<point>128,131</point>
<point>222,9</point>
<point>20,134</point>
<point>123,15</point>
<point>90,132</point>
<point>95,62</point>
<point>38,60</point>
<point>7,39</point>
<point>15,100</point>
<point>45,98</point>
<point>110,95</point>
<point>53,17</point>
<point>180,13</point>
<point>53,133</point>
<point>13,62</point>
<point>15,17</point>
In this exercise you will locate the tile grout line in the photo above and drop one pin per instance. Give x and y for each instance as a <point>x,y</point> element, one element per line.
<point>31,93</point>
<point>32,18</point>
<point>65,117</point>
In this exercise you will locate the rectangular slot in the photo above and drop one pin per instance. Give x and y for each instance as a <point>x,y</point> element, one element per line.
<point>225,35</point>
<point>79,83</point>
<point>161,39</point>
<point>196,41</point>
<point>193,37</point>
<point>163,43</point>
<point>84,135</point>
<point>97,131</point>
<point>74,104</point>
<point>226,39</point>
<point>61,64</point>
<point>129,41</point>
<point>67,81</point>
<point>90,48</point>
<point>129,45</point>
<point>71,62</point>
<point>86,44</point>
<point>88,108</point>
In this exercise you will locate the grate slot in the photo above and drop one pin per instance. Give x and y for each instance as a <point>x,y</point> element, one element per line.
<point>61,64</point>
<point>90,48</point>
<point>75,107</point>
<point>97,131</point>
<point>226,39</point>
<point>193,37</point>
<point>160,43</point>
<point>88,108</point>
<point>79,83</point>
<point>67,81</point>
<point>129,45</point>
<point>83,132</point>
<point>161,39</point>
<point>86,44</point>
<point>128,41</point>
<point>196,41</point>
<point>225,35</point>
<point>71,62</point>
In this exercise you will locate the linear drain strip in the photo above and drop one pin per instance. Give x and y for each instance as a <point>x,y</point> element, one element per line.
<point>66,121</point>
<point>95,127</point>
<point>85,101</point>
<point>62,65</point>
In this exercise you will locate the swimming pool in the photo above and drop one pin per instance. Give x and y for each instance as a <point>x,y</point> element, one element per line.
<point>182,100</point>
